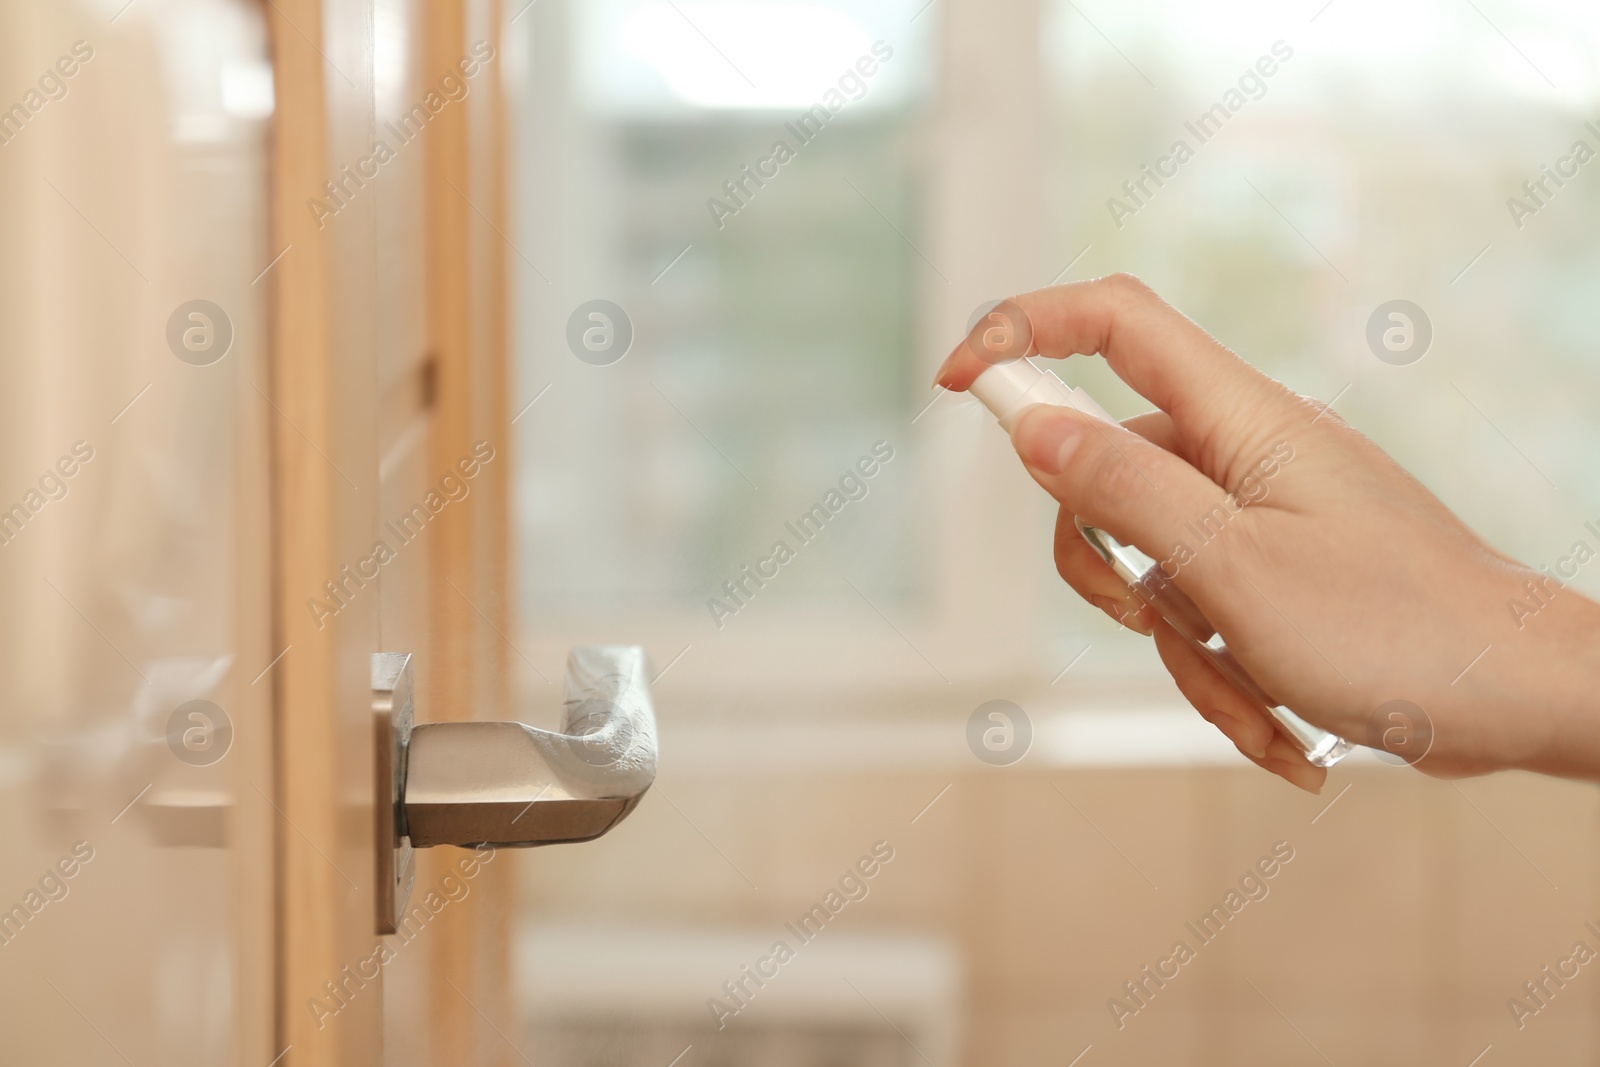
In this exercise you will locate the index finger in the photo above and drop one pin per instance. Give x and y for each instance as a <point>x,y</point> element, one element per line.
<point>1161,353</point>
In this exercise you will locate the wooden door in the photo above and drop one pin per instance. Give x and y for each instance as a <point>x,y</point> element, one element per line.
<point>250,301</point>
<point>137,784</point>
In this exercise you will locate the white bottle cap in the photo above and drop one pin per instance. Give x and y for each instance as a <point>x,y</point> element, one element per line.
<point>1007,388</point>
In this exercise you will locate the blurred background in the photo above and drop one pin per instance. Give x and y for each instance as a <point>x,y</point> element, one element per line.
<point>773,345</point>
<point>690,266</point>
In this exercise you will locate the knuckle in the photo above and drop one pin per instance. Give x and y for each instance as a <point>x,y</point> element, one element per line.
<point>1314,410</point>
<point>1076,562</point>
<point>1064,567</point>
<point>1065,563</point>
<point>1127,286</point>
<point>1204,708</point>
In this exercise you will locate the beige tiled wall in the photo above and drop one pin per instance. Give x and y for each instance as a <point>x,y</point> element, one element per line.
<point>1411,911</point>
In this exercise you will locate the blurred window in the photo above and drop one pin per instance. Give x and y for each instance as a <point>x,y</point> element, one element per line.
<point>1325,173</point>
<point>1368,167</point>
<point>757,242</point>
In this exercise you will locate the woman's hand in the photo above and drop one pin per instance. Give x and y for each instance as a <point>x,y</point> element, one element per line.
<point>1338,581</point>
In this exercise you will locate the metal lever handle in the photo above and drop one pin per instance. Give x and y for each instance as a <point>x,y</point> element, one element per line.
<point>506,784</point>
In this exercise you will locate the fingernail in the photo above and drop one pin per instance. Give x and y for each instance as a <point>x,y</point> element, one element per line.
<point>1295,773</point>
<point>942,377</point>
<point>1244,737</point>
<point>1121,613</point>
<point>1045,437</point>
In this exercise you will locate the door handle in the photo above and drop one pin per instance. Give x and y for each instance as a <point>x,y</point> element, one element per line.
<point>507,784</point>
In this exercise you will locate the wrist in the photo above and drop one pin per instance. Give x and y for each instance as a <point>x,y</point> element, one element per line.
<point>1558,712</point>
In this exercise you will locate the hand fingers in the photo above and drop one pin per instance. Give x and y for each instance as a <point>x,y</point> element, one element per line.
<point>1240,719</point>
<point>1152,346</point>
<point>1157,428</point>
<point>1246,725</point>
<point>1090,576</point>
<point>1094,580</point>
<point>1113,478</point>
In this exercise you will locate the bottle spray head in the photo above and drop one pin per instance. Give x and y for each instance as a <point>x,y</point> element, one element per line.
<point>1009,387</point>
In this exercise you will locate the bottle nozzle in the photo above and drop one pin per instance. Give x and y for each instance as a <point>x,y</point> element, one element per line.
<point>1007,388</point>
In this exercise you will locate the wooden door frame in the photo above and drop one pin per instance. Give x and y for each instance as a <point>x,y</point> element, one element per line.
<point>323,462</point>
<point>464,191</point>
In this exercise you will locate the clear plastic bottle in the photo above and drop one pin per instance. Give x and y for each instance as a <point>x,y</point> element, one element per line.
<point>1008,387</point>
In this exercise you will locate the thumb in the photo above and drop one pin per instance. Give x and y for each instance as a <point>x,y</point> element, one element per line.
<point>1112,478</point>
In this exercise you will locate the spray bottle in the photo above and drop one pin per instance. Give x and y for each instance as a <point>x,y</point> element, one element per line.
<point>1006,388</point>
